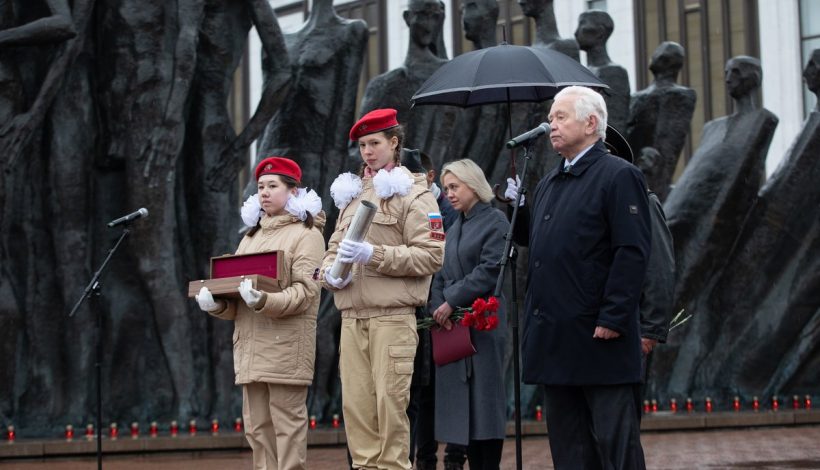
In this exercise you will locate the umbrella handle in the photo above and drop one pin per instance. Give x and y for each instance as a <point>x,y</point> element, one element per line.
<point>499,196</point>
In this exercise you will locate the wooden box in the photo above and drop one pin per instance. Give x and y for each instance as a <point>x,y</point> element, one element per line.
<point>265,270</point>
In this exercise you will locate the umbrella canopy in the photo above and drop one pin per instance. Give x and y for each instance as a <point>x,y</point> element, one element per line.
<point>503,74</point>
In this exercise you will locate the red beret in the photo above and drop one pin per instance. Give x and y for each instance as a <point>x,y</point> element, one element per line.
<point>279,166</point>
<point>374,121</point>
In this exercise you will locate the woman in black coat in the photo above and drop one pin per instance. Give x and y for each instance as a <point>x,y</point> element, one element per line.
<point>470,395</point>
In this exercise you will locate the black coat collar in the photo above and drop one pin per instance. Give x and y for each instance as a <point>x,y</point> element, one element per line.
<point>596,152</point>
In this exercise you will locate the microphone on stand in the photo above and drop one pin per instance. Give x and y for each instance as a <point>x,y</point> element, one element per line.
<point>531,134</point>
<point>142,212</point>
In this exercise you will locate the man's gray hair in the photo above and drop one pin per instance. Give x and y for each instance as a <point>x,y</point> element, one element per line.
<point>589,102</point>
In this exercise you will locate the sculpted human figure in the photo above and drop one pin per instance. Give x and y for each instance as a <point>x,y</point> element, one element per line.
<point>711,198</point>
<point>546,28</point>
<point>427,127</point>
<point>594,29</point>
<point>525,117</point>
<point>479,18</point>
<point>710,201</point>
<point>39,115</point>
<point>480,131</point>
<point>327,55</point>
<point>16,128</point>
<point>774,311</point>
<point>660,115</point>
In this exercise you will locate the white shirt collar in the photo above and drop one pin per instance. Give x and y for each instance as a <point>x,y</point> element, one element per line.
<point>569,163</point>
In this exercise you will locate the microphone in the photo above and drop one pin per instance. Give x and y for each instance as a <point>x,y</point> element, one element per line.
<point>542,129</point>
<point>142,212</point>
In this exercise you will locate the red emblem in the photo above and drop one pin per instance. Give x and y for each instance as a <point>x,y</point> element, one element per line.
<point>437,235</point>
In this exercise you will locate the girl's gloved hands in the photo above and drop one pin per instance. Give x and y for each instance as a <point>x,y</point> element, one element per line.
<point>250,295</point>
<point>206,300</point>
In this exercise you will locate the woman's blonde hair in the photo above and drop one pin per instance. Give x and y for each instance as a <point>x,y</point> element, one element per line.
<point>470,174</point>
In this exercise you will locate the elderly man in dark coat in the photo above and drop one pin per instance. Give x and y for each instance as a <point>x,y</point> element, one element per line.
<point>470,396</point>
<point>589,236</point>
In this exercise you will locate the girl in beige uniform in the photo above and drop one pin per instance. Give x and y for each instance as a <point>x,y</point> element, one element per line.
<point>391,276</point>
<point>275,332</point>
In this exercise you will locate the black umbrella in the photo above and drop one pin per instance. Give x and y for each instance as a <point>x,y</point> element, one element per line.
<point>505,74</point>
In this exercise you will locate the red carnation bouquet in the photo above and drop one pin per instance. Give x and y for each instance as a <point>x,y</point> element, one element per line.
<point>481,315</point>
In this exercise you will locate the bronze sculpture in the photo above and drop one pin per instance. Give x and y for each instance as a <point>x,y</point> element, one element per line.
<point>779,238</point>
<point>327,55</point>
<point>594,29</point>
<point>660,115</point>
<point>427,127</point>
<point>479,132</point>
<point>546,29</point>
<point>707,207</point>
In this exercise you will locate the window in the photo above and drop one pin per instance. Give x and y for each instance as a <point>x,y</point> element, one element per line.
<point>809,41</point>
<point>596,5</point>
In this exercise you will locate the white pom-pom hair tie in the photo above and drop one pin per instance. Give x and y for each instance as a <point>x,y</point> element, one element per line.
<point>251,210</point>
<point>344,188</point>
<point>388,183</point>
<point>304,202</point>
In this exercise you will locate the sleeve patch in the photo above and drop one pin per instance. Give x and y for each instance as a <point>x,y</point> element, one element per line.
<point>437,235</point>
<point>436,222</point>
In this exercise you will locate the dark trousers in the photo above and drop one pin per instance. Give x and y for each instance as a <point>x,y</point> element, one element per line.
<point>485,454</point>
<point>594,427</point>
<point>423,430</point>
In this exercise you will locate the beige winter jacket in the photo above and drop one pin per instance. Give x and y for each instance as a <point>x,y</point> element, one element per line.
<point>405,253</point>
<point>276,341</point>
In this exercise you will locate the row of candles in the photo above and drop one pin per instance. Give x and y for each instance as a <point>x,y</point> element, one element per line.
<point>651,406</point>
<point>709,406</point>
<point>153,430</point>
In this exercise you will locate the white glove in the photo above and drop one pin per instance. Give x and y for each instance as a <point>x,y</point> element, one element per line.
<point>250,295</point>
<point>355,252</point>
<point>206,300</point>
<point>512,190</point>
<point>338,283</point>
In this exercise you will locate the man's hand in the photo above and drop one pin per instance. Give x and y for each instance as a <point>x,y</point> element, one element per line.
<point>605,333</point>
<point>647,345</point>
<point>442,315</point>
<point>512,190</point>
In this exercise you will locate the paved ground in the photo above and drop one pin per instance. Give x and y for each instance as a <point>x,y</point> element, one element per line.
<point>795,447</point>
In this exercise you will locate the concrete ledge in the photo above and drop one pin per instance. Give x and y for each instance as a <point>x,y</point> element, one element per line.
<point>229,440</point>
<point>807,417</point>
<point>22,449</point>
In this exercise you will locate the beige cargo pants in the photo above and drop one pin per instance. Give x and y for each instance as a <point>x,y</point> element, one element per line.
<point>376,366</point>
<point>276,424</point>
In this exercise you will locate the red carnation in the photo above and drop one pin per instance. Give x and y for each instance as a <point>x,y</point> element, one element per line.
<point>492,304</point>
<point>492,322</point>
<point>479,306</point>
<point>467,320</point>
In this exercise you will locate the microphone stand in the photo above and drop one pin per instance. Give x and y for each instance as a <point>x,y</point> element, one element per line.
<point>94,289</point>
<point>509,254</point>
